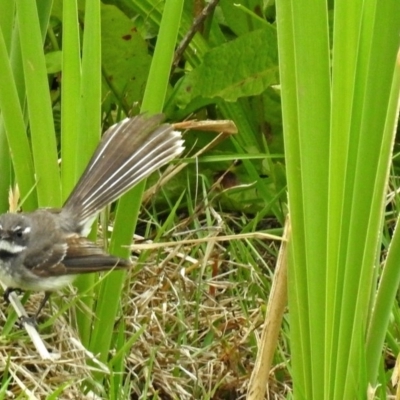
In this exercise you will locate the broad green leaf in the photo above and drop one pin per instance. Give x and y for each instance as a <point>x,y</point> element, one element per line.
<point>243,67</point>
<point>125,59</point>
<point>239,21</point>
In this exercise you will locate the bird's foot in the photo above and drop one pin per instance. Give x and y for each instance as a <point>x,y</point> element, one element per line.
<point>27,320</point>
<point>8,291</point>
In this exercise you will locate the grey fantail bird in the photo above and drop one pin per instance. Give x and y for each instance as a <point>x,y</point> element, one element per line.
<point>45,249</point>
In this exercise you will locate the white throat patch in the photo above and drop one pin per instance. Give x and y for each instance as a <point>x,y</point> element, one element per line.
<point>11,247</point>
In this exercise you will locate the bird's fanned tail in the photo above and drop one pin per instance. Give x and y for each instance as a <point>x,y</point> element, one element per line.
<point>128,152</point>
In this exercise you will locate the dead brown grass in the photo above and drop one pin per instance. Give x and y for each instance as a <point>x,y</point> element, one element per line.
<point>200,338</point>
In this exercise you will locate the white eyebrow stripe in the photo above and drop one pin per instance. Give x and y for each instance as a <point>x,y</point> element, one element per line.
<point>18,227</point>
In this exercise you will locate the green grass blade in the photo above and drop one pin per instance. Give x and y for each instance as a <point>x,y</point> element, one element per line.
<point>89,129</point>
<point>129,205</point>
<point>297,280</point>
<point>70,97</point>
<point>312,114</point>
<point>16,131</point>
<point>337,172</point>
<point>365,198</point>
<point>6,24</point>
<point>156,89</point>
<point>90,110</point>
<point>345,47</point>
<point>390,278</point>
<point>39,106</point>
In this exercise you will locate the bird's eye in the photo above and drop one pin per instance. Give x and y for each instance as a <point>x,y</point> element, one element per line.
<point>19,233</point>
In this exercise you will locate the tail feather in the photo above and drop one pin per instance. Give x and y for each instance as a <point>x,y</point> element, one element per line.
<point>128,152</point>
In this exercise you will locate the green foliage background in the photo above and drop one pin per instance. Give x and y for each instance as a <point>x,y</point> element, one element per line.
<point>105,60</point>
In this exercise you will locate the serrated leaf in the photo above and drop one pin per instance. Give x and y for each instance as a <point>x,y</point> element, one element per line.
<point>245,66</point>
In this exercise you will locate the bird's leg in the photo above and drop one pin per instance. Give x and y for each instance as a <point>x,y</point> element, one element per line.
<point>42,303</point>
<point>8,291</point>
<point>33,320</point>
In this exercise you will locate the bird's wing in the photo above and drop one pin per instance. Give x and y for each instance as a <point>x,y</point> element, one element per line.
<point>75,255</point>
